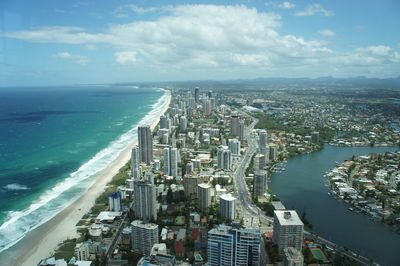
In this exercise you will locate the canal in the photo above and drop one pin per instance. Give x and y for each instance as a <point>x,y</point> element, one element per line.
<point>302,185</point>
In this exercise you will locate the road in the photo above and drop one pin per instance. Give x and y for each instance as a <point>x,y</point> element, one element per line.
<point>243,195</point>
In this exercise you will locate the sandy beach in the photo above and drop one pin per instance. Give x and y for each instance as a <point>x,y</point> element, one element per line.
<point>42,241</point>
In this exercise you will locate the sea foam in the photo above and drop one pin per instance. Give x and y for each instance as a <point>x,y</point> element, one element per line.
<point>19,223</point>
<point>15,186</point>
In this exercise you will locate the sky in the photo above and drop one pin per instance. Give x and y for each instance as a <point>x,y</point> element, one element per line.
<point>56,42</point>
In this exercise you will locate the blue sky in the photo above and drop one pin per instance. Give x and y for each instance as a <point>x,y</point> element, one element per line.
<point>55,42</point>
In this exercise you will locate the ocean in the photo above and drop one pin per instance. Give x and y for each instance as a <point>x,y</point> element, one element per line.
<point>54,140</point>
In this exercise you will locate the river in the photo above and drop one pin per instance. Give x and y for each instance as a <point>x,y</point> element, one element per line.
<point>302,185</point>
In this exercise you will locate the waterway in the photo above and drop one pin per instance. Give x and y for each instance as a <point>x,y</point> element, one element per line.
<point>302,185</point>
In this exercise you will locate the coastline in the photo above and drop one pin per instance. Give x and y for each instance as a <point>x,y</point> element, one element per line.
<point>43,240</point>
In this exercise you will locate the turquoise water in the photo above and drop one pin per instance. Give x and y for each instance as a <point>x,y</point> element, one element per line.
<point>302,186</point>
<point>54,140</point>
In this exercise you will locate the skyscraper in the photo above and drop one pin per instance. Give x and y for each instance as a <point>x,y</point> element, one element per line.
<point>260,183</point>
<point>227,206</point>
<point>145,204</point>
<point>315,136</point>
<point>288,230</point>
<point>114,201</point>
<point>224,157</point>
<point>135,160</point>
<point>204,196</point>
<point>171,161</point>
<point>183,124</point>
<point>259,162</point>
<point>144,236</point>
<point>233,246</point>
<point>197,94</point>
<point>234,146</point>
<point>164,122</point>
<point>273,152</point>
<point>241,130</point>
<point>206,107</point>
<point>190,183</point>
<point>145,144</point>
<point>234,125</point>
<point>262,141</point>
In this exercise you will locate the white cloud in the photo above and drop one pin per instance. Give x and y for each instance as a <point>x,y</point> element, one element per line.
<point>222,41</point>
<point>82,60</point>
<point>286,5</point>
<point>327,33</point>
<point>380,50</point>
<point>57,34</point>
<point>90,47</point>
<point>126,57</point>
<point>314,9</point>
<point>125,10</point>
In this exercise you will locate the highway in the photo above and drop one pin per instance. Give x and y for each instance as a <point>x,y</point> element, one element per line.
<point>243,194</point>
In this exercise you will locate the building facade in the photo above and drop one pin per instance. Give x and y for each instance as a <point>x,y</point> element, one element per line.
<point>233,246</point>
<point>227,206</point>
<point>234,146</point>
<point>145,204</point>
<point>145,144</point>
<point>144,236</point>
<point>260,182</point>
<point>171,161</point>
<point>204,196</point>
<point>288,230</point>
<point>224,157</point>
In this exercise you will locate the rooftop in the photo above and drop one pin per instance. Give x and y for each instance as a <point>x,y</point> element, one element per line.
<point>286,217</point>
<point>205,185</point>
<point>141,224</point>
<point>227,197</point>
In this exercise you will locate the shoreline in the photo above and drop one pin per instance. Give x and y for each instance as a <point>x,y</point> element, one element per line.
<point>43,240</point>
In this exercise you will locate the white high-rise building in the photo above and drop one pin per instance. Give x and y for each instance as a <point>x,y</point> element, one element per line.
<point>206,107</point>
<point>288,230</point>
<point>234,146</point>
<point>204,195</point>
<point>144,236</point>
<point>183,124</point>
<point>262,141</point>
<point>145,204</point>
<point>266,154</point>
<point>135,161</point>
<point>233,246</point>
<point>227,206</point>
<point>260,183</point>
<point>145,144</point>
<point>171,161</point>
<point>259,162</point>
<point>224,158</point>
<point>135,157</point>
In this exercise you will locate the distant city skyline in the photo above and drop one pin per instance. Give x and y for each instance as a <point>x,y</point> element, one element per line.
<point>75,42</point>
